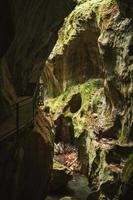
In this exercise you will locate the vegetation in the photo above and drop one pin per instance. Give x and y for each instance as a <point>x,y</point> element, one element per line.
<point>80,19</point>
<point>92,99</point>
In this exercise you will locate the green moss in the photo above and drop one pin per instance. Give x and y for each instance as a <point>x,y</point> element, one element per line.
<point>80,20</point>
<point>105,173</point>
<point>58,166</point>
<point>123,136</point>
<point>92,96</point>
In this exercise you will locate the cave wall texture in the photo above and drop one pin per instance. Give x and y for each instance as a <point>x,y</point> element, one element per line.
<point>96,40</point>
<point>27,36</point>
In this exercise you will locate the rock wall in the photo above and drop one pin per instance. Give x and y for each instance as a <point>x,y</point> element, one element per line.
<point>26,162</point>
<point>72,59</point>
<point>115,44</point>
<point>96,41</point>
<point>28,34</point>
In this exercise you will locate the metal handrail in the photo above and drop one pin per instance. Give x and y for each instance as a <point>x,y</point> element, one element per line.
<point>18,125</point>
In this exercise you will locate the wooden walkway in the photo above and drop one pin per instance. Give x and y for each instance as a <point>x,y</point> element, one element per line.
<point>22,114</point>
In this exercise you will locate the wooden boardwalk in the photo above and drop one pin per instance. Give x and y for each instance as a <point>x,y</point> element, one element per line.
<point>22,114</point>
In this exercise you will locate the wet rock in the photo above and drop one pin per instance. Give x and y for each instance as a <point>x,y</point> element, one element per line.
<point>78,186</point>
<point>60,177</point>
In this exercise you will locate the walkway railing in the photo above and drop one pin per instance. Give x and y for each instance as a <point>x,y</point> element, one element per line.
<point>22,114</point>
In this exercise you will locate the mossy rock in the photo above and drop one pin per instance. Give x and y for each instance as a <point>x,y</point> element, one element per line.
<point>80,20</point>
<point>60,177</point>
<point>126,188</point>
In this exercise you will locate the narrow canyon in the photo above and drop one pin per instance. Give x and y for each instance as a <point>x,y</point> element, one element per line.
<point>66,100</point>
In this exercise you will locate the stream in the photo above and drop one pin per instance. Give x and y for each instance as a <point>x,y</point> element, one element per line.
<point>76,189</point>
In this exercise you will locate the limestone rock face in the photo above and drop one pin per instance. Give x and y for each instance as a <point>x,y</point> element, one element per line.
<point>26,166</point>
<point>115,44</point>
<point>72,57</point>
<point>96,40</point>
<point>28,34</point>
<point>36,25</point>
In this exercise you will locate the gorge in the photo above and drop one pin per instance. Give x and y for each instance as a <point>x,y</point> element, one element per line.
<point>66,99</point>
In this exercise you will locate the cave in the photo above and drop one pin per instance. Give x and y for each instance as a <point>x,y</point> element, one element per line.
<point>66,100</point>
